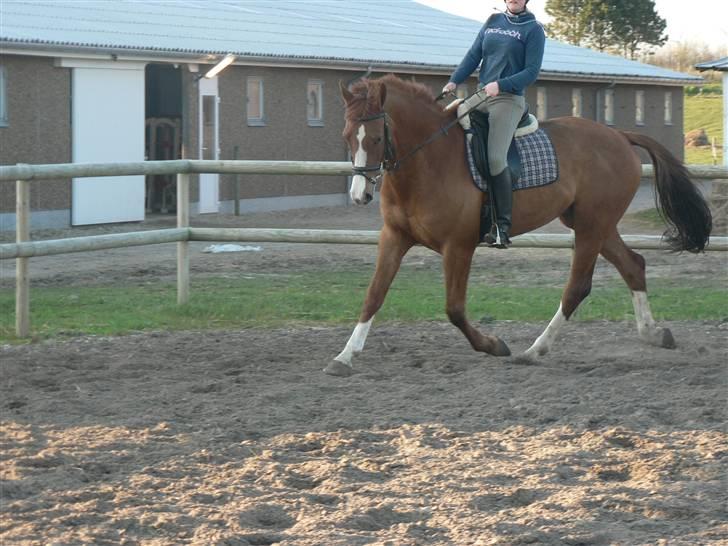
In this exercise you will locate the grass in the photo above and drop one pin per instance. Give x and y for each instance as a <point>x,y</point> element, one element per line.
<point>704,112</point>
<point>315,298</point>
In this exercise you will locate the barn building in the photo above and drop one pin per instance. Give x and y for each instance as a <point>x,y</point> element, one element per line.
<point>101,81</point>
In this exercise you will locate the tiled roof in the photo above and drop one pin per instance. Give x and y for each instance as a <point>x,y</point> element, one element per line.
<point>382,33</point>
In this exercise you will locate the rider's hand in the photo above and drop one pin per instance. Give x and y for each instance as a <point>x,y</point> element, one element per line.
<point>492,89</point>
<point>449,87</point>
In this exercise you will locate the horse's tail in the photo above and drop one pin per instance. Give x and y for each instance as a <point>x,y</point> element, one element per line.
<point>677,199</point>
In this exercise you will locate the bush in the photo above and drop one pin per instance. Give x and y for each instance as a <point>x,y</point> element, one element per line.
<point>708,89</point>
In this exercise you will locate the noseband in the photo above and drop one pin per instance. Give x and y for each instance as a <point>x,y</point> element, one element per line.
<point>388,161</point>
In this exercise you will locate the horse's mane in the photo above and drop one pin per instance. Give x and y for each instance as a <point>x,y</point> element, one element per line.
<point>367,91</point>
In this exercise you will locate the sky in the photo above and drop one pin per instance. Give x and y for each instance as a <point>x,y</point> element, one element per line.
<point>683,23</point>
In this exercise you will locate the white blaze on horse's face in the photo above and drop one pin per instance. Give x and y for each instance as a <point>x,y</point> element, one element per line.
<point>358,182</point>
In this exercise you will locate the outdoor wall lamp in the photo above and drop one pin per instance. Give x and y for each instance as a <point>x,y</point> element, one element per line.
<point>226,61</point>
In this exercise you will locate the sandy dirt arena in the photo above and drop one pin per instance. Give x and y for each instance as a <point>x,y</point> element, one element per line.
<point>238,438</point>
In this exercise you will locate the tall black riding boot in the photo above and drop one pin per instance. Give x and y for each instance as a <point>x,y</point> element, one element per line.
<point>501,191</point>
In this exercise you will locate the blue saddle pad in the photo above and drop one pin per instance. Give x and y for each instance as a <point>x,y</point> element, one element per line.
<point>539,165</point>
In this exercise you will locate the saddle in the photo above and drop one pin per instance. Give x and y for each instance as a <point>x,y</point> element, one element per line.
<point>480,124</point>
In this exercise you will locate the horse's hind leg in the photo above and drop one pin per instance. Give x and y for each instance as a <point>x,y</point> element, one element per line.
<point>392,248</point>
<point>578,287</point>
<point>632,268</point>
<point>457,269</point>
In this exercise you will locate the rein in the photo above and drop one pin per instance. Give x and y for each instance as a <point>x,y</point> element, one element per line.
<point>389,163</point>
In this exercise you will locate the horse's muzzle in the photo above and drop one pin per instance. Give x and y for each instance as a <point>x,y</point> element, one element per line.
<point>365,200</point>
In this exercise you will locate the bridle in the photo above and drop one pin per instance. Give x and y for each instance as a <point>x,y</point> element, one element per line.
<point>389,162</point>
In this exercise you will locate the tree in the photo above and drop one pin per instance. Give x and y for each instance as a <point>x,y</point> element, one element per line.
<point>683,56</point>
<point>568,23</point>
<point>598,23</point>
<point>607,25</point>
<point>634,23</point>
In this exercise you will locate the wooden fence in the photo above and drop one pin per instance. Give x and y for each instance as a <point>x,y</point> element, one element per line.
<point>23,249</point>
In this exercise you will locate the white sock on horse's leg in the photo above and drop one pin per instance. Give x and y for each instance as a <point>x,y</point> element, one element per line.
<point>646,327</point>
<point>543,344</point>
<point>355,343</point>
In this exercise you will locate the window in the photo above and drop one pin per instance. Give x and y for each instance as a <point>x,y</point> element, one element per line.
<point>541,106</point>
<point>639,108</point>
<point>254,108</point>
<point>668,107</point>
<point>576,103</point>
<point>3,99</point>
<point>609,106</point>
<point>315,103</point>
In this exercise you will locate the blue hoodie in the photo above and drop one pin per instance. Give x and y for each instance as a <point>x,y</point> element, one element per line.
<point>511,50</point>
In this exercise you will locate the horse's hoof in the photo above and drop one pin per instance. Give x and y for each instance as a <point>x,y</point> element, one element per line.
<point>501,349</point>
<point>530,356</point>
<point>525,359</point>
<point>338,369</point>
<point>667,341</point>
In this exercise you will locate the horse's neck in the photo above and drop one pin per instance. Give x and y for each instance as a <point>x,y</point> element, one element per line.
<point>411,126</point>
<point>417,177</point>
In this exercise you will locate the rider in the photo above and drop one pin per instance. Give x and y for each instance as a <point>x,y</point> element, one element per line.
<point>510,46</point>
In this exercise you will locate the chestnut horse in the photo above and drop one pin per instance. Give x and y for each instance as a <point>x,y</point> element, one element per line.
<point>393,128</point>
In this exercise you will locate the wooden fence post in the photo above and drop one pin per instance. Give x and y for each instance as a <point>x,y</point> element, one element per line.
<point>714,151</point>
<point>22,278</point>
<point>183,247</point>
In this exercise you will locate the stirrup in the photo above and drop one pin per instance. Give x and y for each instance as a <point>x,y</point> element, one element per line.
<point>498,240</point>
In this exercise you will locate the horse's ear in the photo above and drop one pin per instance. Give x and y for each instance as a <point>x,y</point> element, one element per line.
<point>382,94</point>
<point>345,92</point>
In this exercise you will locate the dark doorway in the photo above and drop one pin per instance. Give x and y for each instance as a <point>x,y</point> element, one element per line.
<point>163,139</point>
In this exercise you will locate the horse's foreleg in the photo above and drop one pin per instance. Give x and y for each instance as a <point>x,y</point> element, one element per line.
<point>586,249</point>
<point>392,248</point>
<point>632,268</point>
<point>457,269</point>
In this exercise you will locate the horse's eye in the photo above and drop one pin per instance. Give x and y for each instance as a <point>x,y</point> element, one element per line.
<point>377,140</point>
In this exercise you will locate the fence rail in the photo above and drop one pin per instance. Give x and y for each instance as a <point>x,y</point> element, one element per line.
<point>52,247</point>
<point>180,166</point>
<point>23,249</point>
<point>527,240</point>
<point>197,166</point>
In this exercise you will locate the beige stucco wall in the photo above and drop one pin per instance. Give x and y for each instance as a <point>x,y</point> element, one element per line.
<point>38,129</point>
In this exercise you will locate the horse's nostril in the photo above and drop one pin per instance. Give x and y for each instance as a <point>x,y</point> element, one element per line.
<point>369,197</point>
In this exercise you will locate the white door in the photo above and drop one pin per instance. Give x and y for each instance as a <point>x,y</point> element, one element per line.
<point>107,127</point>
<point>209,143</point>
